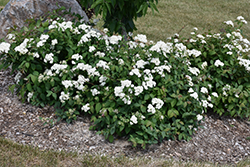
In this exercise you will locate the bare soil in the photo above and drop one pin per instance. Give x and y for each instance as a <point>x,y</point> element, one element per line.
<point>223,139</point>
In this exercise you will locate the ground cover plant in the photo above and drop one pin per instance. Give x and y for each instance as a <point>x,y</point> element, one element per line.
<point>145,90</point>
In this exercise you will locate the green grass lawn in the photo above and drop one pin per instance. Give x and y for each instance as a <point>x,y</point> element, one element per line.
<point>172,17</point>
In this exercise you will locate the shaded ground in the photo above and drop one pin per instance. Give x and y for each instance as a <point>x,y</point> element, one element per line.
<point>222,140</point>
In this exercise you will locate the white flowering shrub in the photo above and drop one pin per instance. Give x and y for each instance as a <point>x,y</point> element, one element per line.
<point>146,91</point>
<point>225,65</point>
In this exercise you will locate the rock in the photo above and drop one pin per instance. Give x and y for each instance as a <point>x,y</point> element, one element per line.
<point>17,11</point>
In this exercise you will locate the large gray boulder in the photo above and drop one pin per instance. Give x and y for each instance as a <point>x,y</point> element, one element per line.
<point>17,11</point>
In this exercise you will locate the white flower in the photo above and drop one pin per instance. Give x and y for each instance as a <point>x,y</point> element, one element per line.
<point>135,71</point>
<point>105,30</point>
<point>133,120</point>
<point>229,53</point>
<point>17,77</point>
<point>218,63</point>
<point>4,47</point>
<point>100,54</point>
<point>156,61</point>
<point>204,65</point>
<point>85,107</point>
<point>151,109</point>
<point>119,91</point>
<point>35,55</point>
<point>159,103</point>
<point>11,36</point>
<point>195,29</point>
<point>114,39</point>
<point>190,90</point>
<point>30,94</point>
<point>44,37</point>
<point>200,36</point>
<point>194,52</point>
<point>76,56</point>
<point>54,42</point>
<point>138,90</point>
<point>204,103</point>
<point>67,83</point>
<point>215,94</point>
<point>204,90</point>
<point>49,58</point>
<point>199,117</point>
<point>126,83</point>
<point>141,37</point>
<point>194,70</point>
<point>102,64</point>
<point>94,91</point>
<point>141,63</point>
<point>240,18</point>
<point>229,23</point>
<point>64,97</point>
<point>91,48</point>
<point>194,95</point>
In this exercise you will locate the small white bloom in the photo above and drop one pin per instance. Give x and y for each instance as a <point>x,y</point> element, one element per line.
<point>91,48</point>
<point>4,47</point>
<point>94,92</point>
<point>54,42</point>
<point>218,63</point>
<point>215,94</point>
<point>159,103</point>
<point>194,70</point>
<point>105,30</point>
<point>133,120</point>
<point>229,23</point>
<point>85,107</point>
<point>199,117</point>
<point>190,90</point>
<point>194,95</point>
<point>204,65</point>
<point>204,90</point>
<point>151,109</point>
<point>30,94</point>
<point>141,37</point>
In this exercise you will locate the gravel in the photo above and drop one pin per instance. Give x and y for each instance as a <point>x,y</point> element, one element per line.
<point>223,139</point>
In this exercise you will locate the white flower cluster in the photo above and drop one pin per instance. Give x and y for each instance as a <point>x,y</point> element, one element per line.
<point>63,97</point>
<point>22,48</point>
<point>141,38</point>
<point>245,63</point>
<point>140,64</point>
<point>86,67</point>
<point>133,120</point>
<point>158,102</point>
<point>194,70</point>
<point>194,52</point>
<point>94,92</point>
<point>114,39</point>
<point>240,18</point>
<point>43,39</point>
<point>230,23</point>
<point>30,95</point>
<point>100,54</point>
<point>204,65</point>
<point>102,80</point>
<point>67,83</point>
<point>49,58</point>
<point>86,107</point>
<point>59,67</point>
<point>135,71</point>
<point>162,46</point>
<point>148,81</point>
<point>189,80</point>
<point>160,69</point>
<point>218,63</point>
<point>102,64</point>
<point>4,47</point>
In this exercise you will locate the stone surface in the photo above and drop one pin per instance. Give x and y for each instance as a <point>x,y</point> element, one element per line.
<point>17,11</point>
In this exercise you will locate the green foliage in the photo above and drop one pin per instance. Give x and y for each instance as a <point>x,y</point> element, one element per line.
<point>148,92</point>
<point>119,15</point>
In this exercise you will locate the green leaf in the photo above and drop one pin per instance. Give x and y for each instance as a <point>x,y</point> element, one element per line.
<point>98,2</point>
<point>33,78</point>
<point>172,113</point>
<point>111,139</point>
<point>29,87</point>
<point>12,87</point>
<point>112,130</point>
<point>173,102</point>
<point>98,107</point>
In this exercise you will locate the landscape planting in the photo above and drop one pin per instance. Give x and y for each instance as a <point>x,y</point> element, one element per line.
<point>148,91</point>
